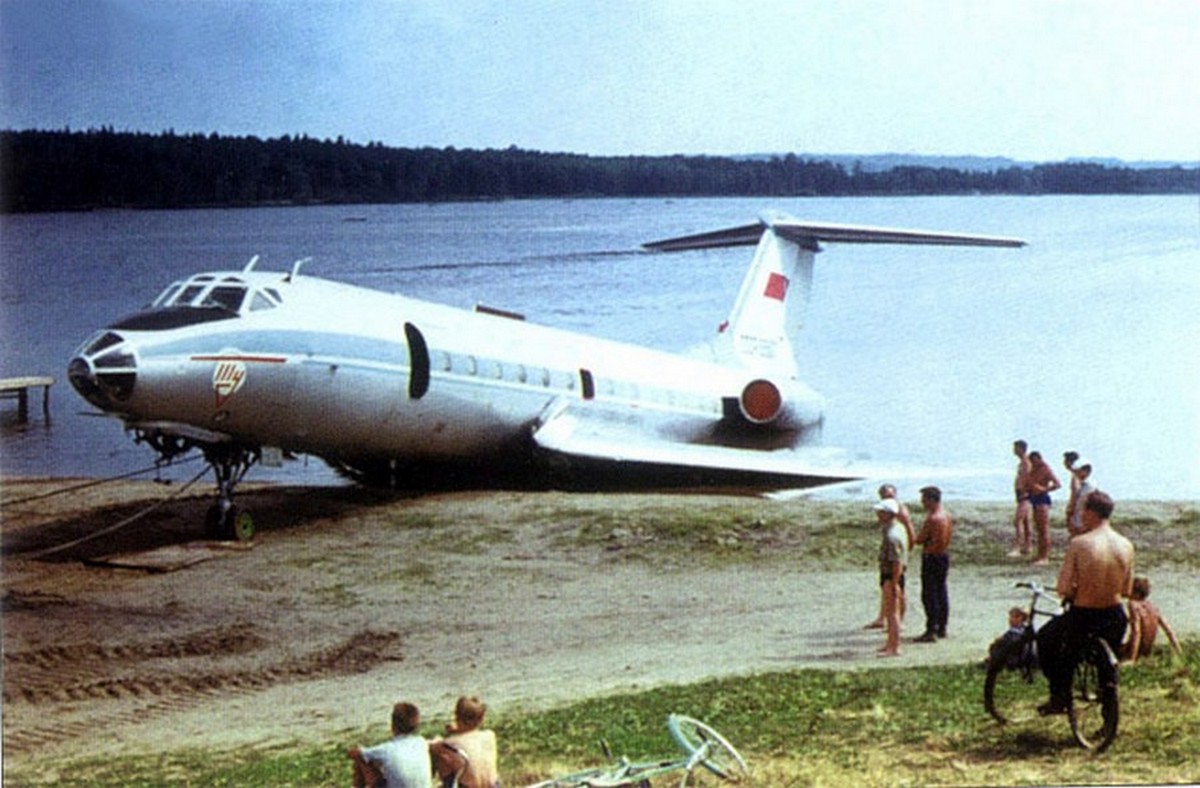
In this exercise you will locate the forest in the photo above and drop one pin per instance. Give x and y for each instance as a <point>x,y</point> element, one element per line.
<point>104,169</point>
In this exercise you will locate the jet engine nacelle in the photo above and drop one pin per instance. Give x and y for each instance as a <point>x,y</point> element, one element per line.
<point>787,406</point>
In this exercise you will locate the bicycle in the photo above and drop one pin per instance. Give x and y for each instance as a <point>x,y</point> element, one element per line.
<point>1010,694</point>
<point>702,747</point>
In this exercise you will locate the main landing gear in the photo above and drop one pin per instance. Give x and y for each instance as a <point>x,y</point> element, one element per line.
<point>229,463</point>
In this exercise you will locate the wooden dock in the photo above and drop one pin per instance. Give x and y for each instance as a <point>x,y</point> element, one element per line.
<point>18,389</point>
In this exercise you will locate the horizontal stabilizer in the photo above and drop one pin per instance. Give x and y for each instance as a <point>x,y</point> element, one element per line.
<point>747,235</point>
<point>809,234</point>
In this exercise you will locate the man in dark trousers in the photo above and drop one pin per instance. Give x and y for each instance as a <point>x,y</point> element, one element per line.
<point>1097,572</point>
<point>935,564</point>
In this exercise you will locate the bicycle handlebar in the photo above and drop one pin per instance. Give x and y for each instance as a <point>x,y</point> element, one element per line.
<point>1032,585</point>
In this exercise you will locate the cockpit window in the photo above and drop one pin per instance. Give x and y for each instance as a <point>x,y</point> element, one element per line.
<point>230,293</point>
<point>230,298</point>
<point>188,295</point>
<point>167,296</point>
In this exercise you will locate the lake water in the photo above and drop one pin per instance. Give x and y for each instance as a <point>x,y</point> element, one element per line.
<point>1088,339</point>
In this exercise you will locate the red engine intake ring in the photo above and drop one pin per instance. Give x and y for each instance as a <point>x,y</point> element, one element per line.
<point>761,401</point>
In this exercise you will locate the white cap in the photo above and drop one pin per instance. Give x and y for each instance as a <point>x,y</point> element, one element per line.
<point>888,505</point>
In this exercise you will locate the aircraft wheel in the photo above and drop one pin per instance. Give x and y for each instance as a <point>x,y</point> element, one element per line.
<point>214,522</point>
<point>239,525</point>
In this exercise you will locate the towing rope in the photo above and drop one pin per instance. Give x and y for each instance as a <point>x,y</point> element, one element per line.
<point>117,526</point>
<point>98,482</point>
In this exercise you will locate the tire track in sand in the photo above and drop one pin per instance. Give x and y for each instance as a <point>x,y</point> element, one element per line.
<point>71,687</point>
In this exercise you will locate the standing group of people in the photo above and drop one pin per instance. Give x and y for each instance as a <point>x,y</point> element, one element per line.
<point>465,757</point>
<point>898,538</point>
<point>1034,482</point>
<point>1095,580</point>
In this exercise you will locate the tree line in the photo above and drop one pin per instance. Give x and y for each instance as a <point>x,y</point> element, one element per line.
<point>101,168</point>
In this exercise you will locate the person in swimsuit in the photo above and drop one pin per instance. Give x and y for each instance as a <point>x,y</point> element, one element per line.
<point>893,557</point>
<point>1024,513</point>
<point>887,492</point>
<point>1042,482</point>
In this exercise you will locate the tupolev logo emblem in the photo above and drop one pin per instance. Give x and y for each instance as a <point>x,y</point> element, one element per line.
<point>228,377</point>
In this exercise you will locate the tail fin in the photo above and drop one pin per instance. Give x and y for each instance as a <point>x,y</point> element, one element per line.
<point>771,306</point>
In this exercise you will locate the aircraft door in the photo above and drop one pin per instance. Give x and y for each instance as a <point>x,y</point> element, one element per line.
<point>418,362</point>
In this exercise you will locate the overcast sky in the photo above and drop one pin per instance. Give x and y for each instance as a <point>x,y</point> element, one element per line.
<point>1028,79</point>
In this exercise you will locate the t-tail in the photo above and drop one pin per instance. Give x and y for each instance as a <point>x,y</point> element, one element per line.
<point>769,313</point>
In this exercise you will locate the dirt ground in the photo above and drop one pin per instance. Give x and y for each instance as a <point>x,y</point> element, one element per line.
<point>347,602</point>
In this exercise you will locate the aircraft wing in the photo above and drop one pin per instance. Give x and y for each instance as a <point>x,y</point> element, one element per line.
<point>605,445</point>
<point>594,442</point>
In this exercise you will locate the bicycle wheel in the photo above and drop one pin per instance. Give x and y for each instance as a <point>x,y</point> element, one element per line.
<point>1095,705</point>
<point>717,754</point>
<point>1009,693</point>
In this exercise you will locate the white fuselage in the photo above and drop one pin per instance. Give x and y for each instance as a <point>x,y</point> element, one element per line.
<point>353,374</point>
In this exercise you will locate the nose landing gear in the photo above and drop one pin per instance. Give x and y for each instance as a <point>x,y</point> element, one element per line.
<point>225,520</point>
<point>230,462</point>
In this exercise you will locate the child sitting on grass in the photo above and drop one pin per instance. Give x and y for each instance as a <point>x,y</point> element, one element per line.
<point>1144,621</point>
<point>466,756</point>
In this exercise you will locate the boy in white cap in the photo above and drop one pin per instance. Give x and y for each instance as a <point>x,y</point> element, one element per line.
<point>893,558</point>
<point>888,492</point>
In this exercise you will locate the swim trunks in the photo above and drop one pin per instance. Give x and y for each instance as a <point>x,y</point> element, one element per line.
<point>1040,499</point>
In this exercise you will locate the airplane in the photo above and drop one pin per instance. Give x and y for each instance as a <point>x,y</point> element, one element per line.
<point>394,391</point>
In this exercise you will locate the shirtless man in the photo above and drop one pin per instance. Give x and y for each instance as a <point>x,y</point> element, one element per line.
<point>1097,572</point>
<point>935,564</point>
<point>1042,482</point>
<point>1024,508</point>
<point>887,492</point>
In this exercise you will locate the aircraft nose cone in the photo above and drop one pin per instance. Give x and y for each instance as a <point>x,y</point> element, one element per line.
<point>83,380</point>
<point>104,372</point>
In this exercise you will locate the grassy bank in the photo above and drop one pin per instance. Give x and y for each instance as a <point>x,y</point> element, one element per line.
<point>830,535</point>
<point>919,726</point>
